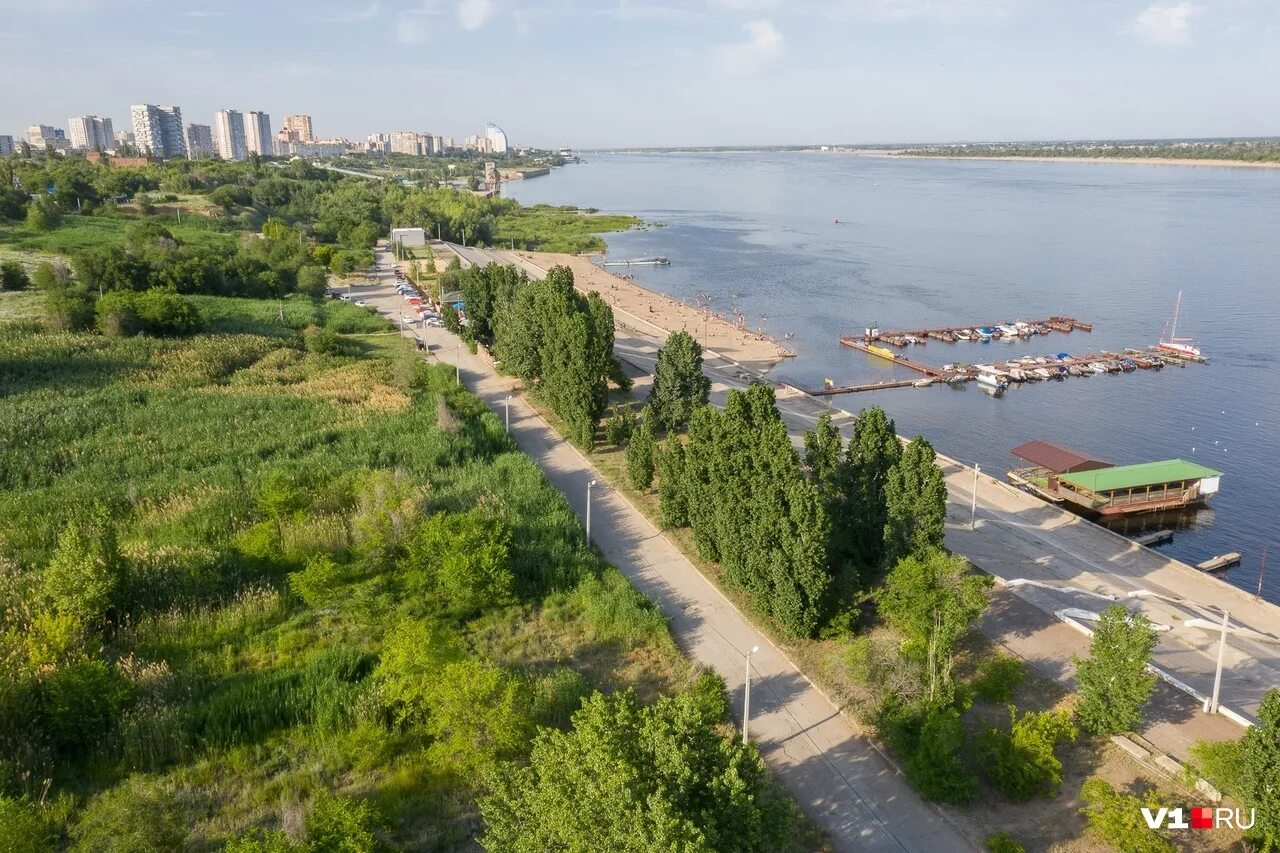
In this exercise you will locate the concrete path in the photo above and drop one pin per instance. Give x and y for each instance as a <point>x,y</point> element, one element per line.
<point>836,775</point>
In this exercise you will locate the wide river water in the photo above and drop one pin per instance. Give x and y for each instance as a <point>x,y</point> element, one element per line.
<point>947,242</point>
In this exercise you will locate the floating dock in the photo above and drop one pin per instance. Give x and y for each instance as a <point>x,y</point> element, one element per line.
<point>1019,329</point>
<point>890,355</point>
<point>1219,563</point>
<point>640,262</point>
<point>1158,537</point>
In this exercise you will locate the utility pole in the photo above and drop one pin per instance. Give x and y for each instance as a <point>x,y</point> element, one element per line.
<point>1262,568</point>
<point>746,696</point>
<point>973,507</point>
<point>457,363</point>
<point>1217,677</point>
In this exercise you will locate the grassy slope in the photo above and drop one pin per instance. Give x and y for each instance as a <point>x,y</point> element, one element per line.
<point>558,229</point>
<point>173,436</point>
<point>77,233</point>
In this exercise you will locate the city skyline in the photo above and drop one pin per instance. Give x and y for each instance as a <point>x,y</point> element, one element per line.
<point>842,71</point>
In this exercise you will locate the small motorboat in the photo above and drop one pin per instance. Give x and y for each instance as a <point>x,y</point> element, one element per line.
<point>992,380</point>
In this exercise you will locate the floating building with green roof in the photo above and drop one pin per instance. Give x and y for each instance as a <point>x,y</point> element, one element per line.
<point>1058,474</point>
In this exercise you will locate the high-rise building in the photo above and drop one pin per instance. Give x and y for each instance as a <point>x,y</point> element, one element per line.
<point>439,145</point>
<point>497,138</point>
<point>257,134</point>
<point>40,135</point>
<point>228,135</point>
<point>379,143</point>
<point>199,141</point>
<point>301,125</point>
<point>6,145</point>
<point>404,142</point>
<point>91,133</point>
<point>158,130</point>
<point>123,137</point>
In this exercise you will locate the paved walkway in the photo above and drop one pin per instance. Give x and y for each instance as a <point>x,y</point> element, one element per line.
<point>836,775</point>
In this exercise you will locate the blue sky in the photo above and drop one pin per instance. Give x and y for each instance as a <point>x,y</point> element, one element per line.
<point>660,72</point>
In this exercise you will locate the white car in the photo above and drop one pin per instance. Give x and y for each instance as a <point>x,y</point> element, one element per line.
<point>362,303</point>
<point>435,322</point>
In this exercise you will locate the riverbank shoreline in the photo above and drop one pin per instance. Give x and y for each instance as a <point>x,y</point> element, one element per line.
<point>1133,161</point>
<point>718,334</point>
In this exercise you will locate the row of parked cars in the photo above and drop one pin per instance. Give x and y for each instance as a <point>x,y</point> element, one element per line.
<point>417,303</point>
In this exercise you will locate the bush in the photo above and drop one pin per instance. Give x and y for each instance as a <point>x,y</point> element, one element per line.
<point>13,276</point>
<point>341,825</point>
<point>997,677</point>
<point>1003,842</point>
<point>69,309</point>
<point>43,214</point>
<point>83,577</point>
<point>1020,761</point>
<point>930,740</point>
<point>462,561</point>
<point>1117,819</point>
<point>156,312</point>
<point>136,816</point>
<point>82,702</point>
<point>321,341</point>
<point>312,281</point>
<point>316,584</point>
<point>618,428</point>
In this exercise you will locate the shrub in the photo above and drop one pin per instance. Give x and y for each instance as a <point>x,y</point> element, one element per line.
<point>312,281</point>
<point>1003,842</point>
<point>43,214</point>
<point>260,841</point>
<point>136,815</point>
<point>341,825</point>
<point>316,583</point>
<point>934,765</point>
<point>321,341</point>
<point>82,578</point>
<point>13,276</point>
<point>1020,761</point>
<point>462,561</point>
<point>997,677</point>
<point>1117,819</point>
<point>413,657</point>
<point>68,309</point>
<point>619,427</point>
<point>82,701</point>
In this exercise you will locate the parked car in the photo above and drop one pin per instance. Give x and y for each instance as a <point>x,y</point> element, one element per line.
<point>362,303</point>
<point>435,323</point>
<point>345,297</point>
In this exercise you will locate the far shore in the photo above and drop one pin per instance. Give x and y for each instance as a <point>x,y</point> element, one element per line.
<point>1135,161</point>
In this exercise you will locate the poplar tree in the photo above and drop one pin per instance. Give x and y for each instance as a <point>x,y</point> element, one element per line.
<point>915,500</point>
<point>872,452</point>
<point>641,451</point>
<point>679,385</point>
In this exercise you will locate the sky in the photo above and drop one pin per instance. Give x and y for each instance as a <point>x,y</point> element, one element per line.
<point>602,73</point>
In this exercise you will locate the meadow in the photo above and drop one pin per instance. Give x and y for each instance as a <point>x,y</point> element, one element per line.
<point>81,233</point>
<point>545,228</point>
<point>261,505</point>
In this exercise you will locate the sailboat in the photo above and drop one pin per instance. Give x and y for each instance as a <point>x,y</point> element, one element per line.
<point>1170,340</point>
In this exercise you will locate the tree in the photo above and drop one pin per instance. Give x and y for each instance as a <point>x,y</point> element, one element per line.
<point>68,309</point>
<point>679,385</point>
<point>475,713</point>
<point>822,449</point>
<point>1117,818</point>
<point>1114,681</point>
<point>13,276</point>
<point>278,497</point>
<point>633,778</point>
<point>43,214</point>
<point>872,453</point>
<point>312,281</point>
<point>933,763</point>
<point>413,658</point>
<point>672,499</point>
<point>1020,760</point>
<point>1257,784</point>
<point>642,457</point>
<point>83,577</point>
<point>932,599</point>
<point>915,497</point>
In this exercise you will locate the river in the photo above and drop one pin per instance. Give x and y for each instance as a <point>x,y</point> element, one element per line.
<point>923,242</point>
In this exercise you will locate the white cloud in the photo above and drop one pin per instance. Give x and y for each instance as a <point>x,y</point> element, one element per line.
<point>1164,25</point>
<point>474,14</point>
<point>352,16</point>
<point>903,10</point>
<point>762,47</point>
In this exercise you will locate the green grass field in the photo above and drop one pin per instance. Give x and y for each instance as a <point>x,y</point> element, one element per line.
<point>240,698</point>
<point>77,233</point>
<point>558,229</point>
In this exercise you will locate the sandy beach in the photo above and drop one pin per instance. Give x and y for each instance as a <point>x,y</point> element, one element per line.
<point>1132,161</point>
<point>652,313</point>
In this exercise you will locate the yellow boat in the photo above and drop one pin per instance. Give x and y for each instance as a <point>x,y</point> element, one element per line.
<point>882,352</point>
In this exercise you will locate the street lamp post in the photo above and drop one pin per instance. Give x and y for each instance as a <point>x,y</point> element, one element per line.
<point>507,403</point>
<point>589,485</point>
<point>973,506</point>
<point>1212,705</point>
<point>746,696</point>
<point>457,363</point>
